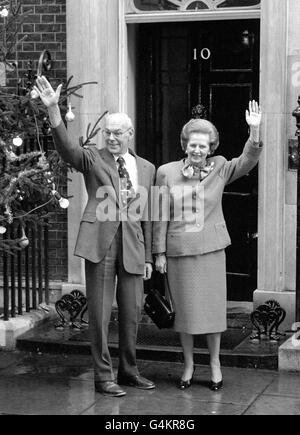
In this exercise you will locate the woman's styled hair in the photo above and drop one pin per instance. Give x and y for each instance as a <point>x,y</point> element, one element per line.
<point>200,126</point>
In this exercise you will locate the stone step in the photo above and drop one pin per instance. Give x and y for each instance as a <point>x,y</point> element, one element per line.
<point>289,355</point>
<point>154,345</point>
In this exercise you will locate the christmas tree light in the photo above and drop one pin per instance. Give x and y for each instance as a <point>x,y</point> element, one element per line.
<point>17,141</point>
<point>4,13</point>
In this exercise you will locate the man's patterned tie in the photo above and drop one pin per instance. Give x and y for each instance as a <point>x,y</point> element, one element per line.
<point>126,187</point>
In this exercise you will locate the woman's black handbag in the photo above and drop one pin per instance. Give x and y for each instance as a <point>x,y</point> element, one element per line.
<point>160,308</point>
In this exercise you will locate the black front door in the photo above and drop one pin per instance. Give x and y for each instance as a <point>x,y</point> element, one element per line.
<point>215,64</point>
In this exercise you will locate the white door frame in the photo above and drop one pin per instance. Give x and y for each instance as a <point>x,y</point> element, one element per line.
<point>213,15</point>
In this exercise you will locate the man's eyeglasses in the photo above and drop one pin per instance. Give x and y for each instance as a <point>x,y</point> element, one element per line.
<point>116,134</point>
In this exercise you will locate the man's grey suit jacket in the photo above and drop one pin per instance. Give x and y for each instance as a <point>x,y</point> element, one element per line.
<point>95,237</point>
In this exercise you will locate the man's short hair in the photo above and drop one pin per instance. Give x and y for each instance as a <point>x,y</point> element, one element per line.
<point>123,117</point>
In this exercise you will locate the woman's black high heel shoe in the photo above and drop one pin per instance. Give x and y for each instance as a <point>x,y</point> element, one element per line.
<point>184,385</point>
<point>216,386</point>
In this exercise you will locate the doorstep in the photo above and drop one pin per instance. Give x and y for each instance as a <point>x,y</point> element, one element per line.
<point>10,330</point>
<point>289,355</point>
<point>238,350</point>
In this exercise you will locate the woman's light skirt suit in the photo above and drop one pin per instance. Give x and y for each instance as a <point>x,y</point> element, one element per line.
<point>198,286</point>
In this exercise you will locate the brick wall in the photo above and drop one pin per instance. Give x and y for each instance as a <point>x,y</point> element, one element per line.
<point>46,29</point>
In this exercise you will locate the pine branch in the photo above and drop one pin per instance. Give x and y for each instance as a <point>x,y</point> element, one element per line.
<point>10,30</point>
<point>90,134</point>
<point>9,246</point>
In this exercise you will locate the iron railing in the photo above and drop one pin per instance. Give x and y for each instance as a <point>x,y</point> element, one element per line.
<point>25,274</point>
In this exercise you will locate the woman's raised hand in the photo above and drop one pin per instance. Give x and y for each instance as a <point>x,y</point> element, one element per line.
<point>253,115</point>
<point>47,94</point>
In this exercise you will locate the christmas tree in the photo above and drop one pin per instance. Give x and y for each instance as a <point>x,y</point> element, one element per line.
<point>30,176</point>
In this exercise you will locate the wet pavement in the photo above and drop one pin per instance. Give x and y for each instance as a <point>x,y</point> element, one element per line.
<point>41,384</point>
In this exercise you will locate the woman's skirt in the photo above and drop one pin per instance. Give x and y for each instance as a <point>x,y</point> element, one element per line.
<point>198,287</point>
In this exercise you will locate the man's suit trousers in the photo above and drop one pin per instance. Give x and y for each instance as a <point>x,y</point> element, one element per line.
<point>101,284</point>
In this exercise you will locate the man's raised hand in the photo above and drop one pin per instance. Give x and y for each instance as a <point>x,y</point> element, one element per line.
<point>47,94</point>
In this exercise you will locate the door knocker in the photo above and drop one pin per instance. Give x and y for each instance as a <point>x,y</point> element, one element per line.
<point>205,53</point>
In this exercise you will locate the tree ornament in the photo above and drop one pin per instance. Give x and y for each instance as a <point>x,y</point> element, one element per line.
<point>34,95</point>
<point>63,202</point>
<point>70,116</point>
<point>17,141</point>
<point>2,230</point>
<point>23,241</point>
<point>4,13</point>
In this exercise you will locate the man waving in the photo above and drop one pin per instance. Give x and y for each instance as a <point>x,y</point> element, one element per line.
<point>112,248</point>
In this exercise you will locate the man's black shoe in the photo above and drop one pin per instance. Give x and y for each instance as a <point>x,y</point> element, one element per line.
<point>136,381</point>
<point>109,388</point>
